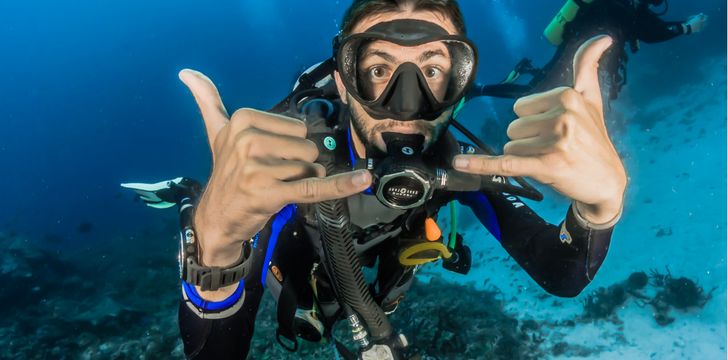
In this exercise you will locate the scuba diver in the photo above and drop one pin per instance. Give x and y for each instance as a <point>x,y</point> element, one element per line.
<point>350,171</point>
<point>628,22</point>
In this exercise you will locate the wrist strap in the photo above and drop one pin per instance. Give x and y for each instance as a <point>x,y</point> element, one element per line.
<point>208,278</point>
<point>214,277</point>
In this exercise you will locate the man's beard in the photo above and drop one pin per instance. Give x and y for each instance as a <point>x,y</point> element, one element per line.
<point>368,136</point>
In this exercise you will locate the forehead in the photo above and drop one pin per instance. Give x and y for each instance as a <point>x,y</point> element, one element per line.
<point>431,16</point>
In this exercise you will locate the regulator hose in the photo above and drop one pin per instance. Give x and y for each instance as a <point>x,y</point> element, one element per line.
<point>352,288</point>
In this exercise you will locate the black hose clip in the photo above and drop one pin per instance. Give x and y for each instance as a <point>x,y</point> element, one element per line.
<point>461,258</point>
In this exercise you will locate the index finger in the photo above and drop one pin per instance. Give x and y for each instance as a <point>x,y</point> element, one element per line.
<point>313,190</point>
<point>504,165</point>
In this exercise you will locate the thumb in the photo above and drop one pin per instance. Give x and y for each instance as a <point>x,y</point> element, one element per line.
<point>586,68</point>
<point>208,100</point>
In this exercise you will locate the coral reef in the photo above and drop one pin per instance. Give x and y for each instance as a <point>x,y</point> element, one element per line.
<point>603,302</point>
<point>450,321</point>
<point>85,305</point>
<point>59,306</point>
<point>679,293</point>
<point>669,293</point>
<point>441,321</point>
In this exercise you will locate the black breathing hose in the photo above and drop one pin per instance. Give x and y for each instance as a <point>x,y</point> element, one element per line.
<point>352,288</point>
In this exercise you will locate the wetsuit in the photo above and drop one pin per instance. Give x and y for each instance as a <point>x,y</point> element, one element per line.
<point>625,21</point>
<point>288,253</point>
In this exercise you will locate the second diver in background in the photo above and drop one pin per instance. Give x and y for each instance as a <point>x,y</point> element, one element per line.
<point>628,22</point>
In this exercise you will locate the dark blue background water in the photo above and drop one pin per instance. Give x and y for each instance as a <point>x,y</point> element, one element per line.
<point>90,96</point>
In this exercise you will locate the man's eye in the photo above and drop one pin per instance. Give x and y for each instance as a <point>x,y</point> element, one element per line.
<point>378,72</point>
<point>432,72</point>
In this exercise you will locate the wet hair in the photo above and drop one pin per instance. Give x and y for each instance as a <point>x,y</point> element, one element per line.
<point>361,9</point>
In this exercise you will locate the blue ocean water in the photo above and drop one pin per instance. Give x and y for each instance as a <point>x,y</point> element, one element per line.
<point>91,99</point>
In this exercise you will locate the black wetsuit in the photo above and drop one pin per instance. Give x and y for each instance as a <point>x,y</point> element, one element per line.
<point>562,259</point>
<point>624,21</point>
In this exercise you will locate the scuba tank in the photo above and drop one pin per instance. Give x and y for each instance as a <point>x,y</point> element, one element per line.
<point>554,32</point>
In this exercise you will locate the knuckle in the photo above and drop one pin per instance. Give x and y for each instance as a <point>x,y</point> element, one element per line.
<point>320,170</point>
<point>251,166</point>
<point>293,126</point>
<point>561,145</point>
<point>308,189</point>
<point>563,123</point>
<point>242,118</point>
<point>517,105</point>
<point>248,177</point>
<point>243,142</point>
<point>508,148</point>
<point>301,127</point>
<point>311,152</point>
<point>341,185</point>
<point>511,130</point>
<point>506,165</point>
<point>569,98</point>
<point>478,164</point>
<point>244,147</point>
<point>248,137</point>
<point>244,184</point>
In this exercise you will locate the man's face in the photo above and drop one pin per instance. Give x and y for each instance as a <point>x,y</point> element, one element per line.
<point>378,62</point>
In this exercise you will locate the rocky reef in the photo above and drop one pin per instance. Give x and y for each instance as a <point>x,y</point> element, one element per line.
<point>661,292</point>
<point>87,304</point>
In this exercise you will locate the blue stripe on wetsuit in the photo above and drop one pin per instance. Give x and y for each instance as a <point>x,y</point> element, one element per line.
<point>279,222</point>
<point>201,303</point>
<point>352,158</point>
<point>483,210</point>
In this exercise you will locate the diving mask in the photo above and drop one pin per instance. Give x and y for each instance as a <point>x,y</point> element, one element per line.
<point>406,69</point>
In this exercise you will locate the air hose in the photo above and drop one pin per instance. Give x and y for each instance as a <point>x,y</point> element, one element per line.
<point>346,269</point>
<point>453,225</point>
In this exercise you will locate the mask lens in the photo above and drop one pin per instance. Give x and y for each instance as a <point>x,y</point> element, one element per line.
<point>370,66</point>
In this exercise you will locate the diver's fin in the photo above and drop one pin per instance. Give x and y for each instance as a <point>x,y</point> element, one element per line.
<point>164,194</point>
<point>161,205</point>
<point>151,187</point>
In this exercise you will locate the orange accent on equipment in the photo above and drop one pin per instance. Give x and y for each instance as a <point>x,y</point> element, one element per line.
<point>432,231</point>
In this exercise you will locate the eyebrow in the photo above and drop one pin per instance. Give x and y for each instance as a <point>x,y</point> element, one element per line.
<point>383,54</point>
<point>389,57</point>
<point>430,54</point>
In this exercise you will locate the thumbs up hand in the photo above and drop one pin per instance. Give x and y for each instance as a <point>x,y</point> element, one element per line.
<point>560,139</point>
